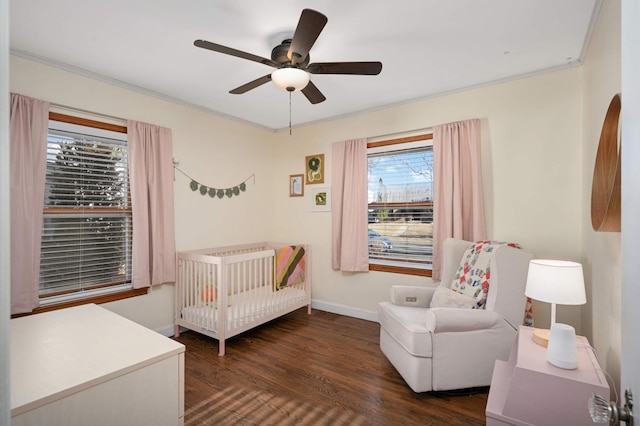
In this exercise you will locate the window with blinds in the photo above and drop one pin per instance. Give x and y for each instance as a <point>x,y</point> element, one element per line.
<point>400,207</point>
<point>87,230</point>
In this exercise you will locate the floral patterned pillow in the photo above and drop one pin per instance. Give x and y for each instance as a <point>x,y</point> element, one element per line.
<point>473,276</point>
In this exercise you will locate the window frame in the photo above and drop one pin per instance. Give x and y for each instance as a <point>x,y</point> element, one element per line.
<point>406,270</point>
<point>99,298</point>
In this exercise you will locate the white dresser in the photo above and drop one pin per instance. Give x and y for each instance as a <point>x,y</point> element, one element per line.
<point>88,366</point>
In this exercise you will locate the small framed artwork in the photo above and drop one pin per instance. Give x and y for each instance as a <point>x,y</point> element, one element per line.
<point>296,185</point>
<point>321,199</point>
<point>314,167</point>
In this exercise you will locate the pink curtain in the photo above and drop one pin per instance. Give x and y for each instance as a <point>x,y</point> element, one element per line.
<point>151,172</point>
<point>29,123</point>
<point>349,240</point>
<point>459,209</point>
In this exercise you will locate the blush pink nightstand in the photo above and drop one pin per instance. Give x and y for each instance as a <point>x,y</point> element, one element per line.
<point>527,390</point>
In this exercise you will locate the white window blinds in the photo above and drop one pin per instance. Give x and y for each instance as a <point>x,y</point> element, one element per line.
<point>86,233</point>
<point>401,205</point>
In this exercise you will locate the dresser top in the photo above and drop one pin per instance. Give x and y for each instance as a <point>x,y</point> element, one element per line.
<point>59,353</point>
<point>532,356</point>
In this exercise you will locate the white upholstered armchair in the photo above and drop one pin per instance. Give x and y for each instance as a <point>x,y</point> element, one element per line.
<point>439,338</point>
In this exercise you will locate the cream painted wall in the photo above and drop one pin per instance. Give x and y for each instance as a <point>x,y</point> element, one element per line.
<point>532,130</point>
<point>601,250</point>
<point>212,150</point>
<point>532,172</point>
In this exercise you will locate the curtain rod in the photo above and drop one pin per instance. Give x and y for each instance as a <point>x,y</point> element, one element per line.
<point>400,134</point>
<point>92,113</point>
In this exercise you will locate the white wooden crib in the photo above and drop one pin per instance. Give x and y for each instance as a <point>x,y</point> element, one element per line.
<point>224,291</point>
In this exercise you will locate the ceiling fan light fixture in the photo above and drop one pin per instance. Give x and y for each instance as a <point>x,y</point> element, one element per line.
<point>290,79</point>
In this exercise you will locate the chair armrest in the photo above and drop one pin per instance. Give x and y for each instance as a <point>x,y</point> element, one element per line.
<point>406,295</point>
<point>443,320</point>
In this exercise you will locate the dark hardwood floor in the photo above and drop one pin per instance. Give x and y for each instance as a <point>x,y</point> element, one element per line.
<point>310,369</point>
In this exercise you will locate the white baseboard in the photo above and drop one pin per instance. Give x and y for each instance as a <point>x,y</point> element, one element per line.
<point>344,310</point>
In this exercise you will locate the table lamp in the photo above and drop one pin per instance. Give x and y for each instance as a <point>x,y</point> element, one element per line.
<point>556,282</point>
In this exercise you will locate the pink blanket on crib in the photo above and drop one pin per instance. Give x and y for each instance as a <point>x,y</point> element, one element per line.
<point>290,266</point>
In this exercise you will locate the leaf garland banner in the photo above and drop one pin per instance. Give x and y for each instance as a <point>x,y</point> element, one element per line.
<point>217,192</point>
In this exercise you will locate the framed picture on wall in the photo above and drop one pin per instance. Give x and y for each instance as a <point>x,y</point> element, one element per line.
<point>321,199</point>
<point>296,185</point>
<point>314,168</point>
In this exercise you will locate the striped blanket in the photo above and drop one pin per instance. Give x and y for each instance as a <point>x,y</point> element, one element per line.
<point>290,266</point>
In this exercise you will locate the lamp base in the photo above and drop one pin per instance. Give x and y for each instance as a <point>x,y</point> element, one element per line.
<point>541,337</point>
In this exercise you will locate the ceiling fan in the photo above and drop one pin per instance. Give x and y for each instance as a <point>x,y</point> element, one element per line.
<point>291,60</point>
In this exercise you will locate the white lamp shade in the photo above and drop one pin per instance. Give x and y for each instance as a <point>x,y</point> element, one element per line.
<point>295,78</point>
<point>556,281</point>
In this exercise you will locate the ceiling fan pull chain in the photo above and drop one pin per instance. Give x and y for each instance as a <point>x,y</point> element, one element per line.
<point>289,112</point>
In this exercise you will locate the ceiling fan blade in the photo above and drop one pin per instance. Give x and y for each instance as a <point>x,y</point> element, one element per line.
<point>312,93</point>
<point>233,52</point>
<point>251,85</point>
<point>359,68</point>
<point>309,27</point>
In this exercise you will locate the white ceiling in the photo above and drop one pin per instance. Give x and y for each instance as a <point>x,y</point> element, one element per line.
<point>427,47</point>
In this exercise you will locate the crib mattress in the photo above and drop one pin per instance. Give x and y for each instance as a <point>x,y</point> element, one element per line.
<point>245,307</point>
